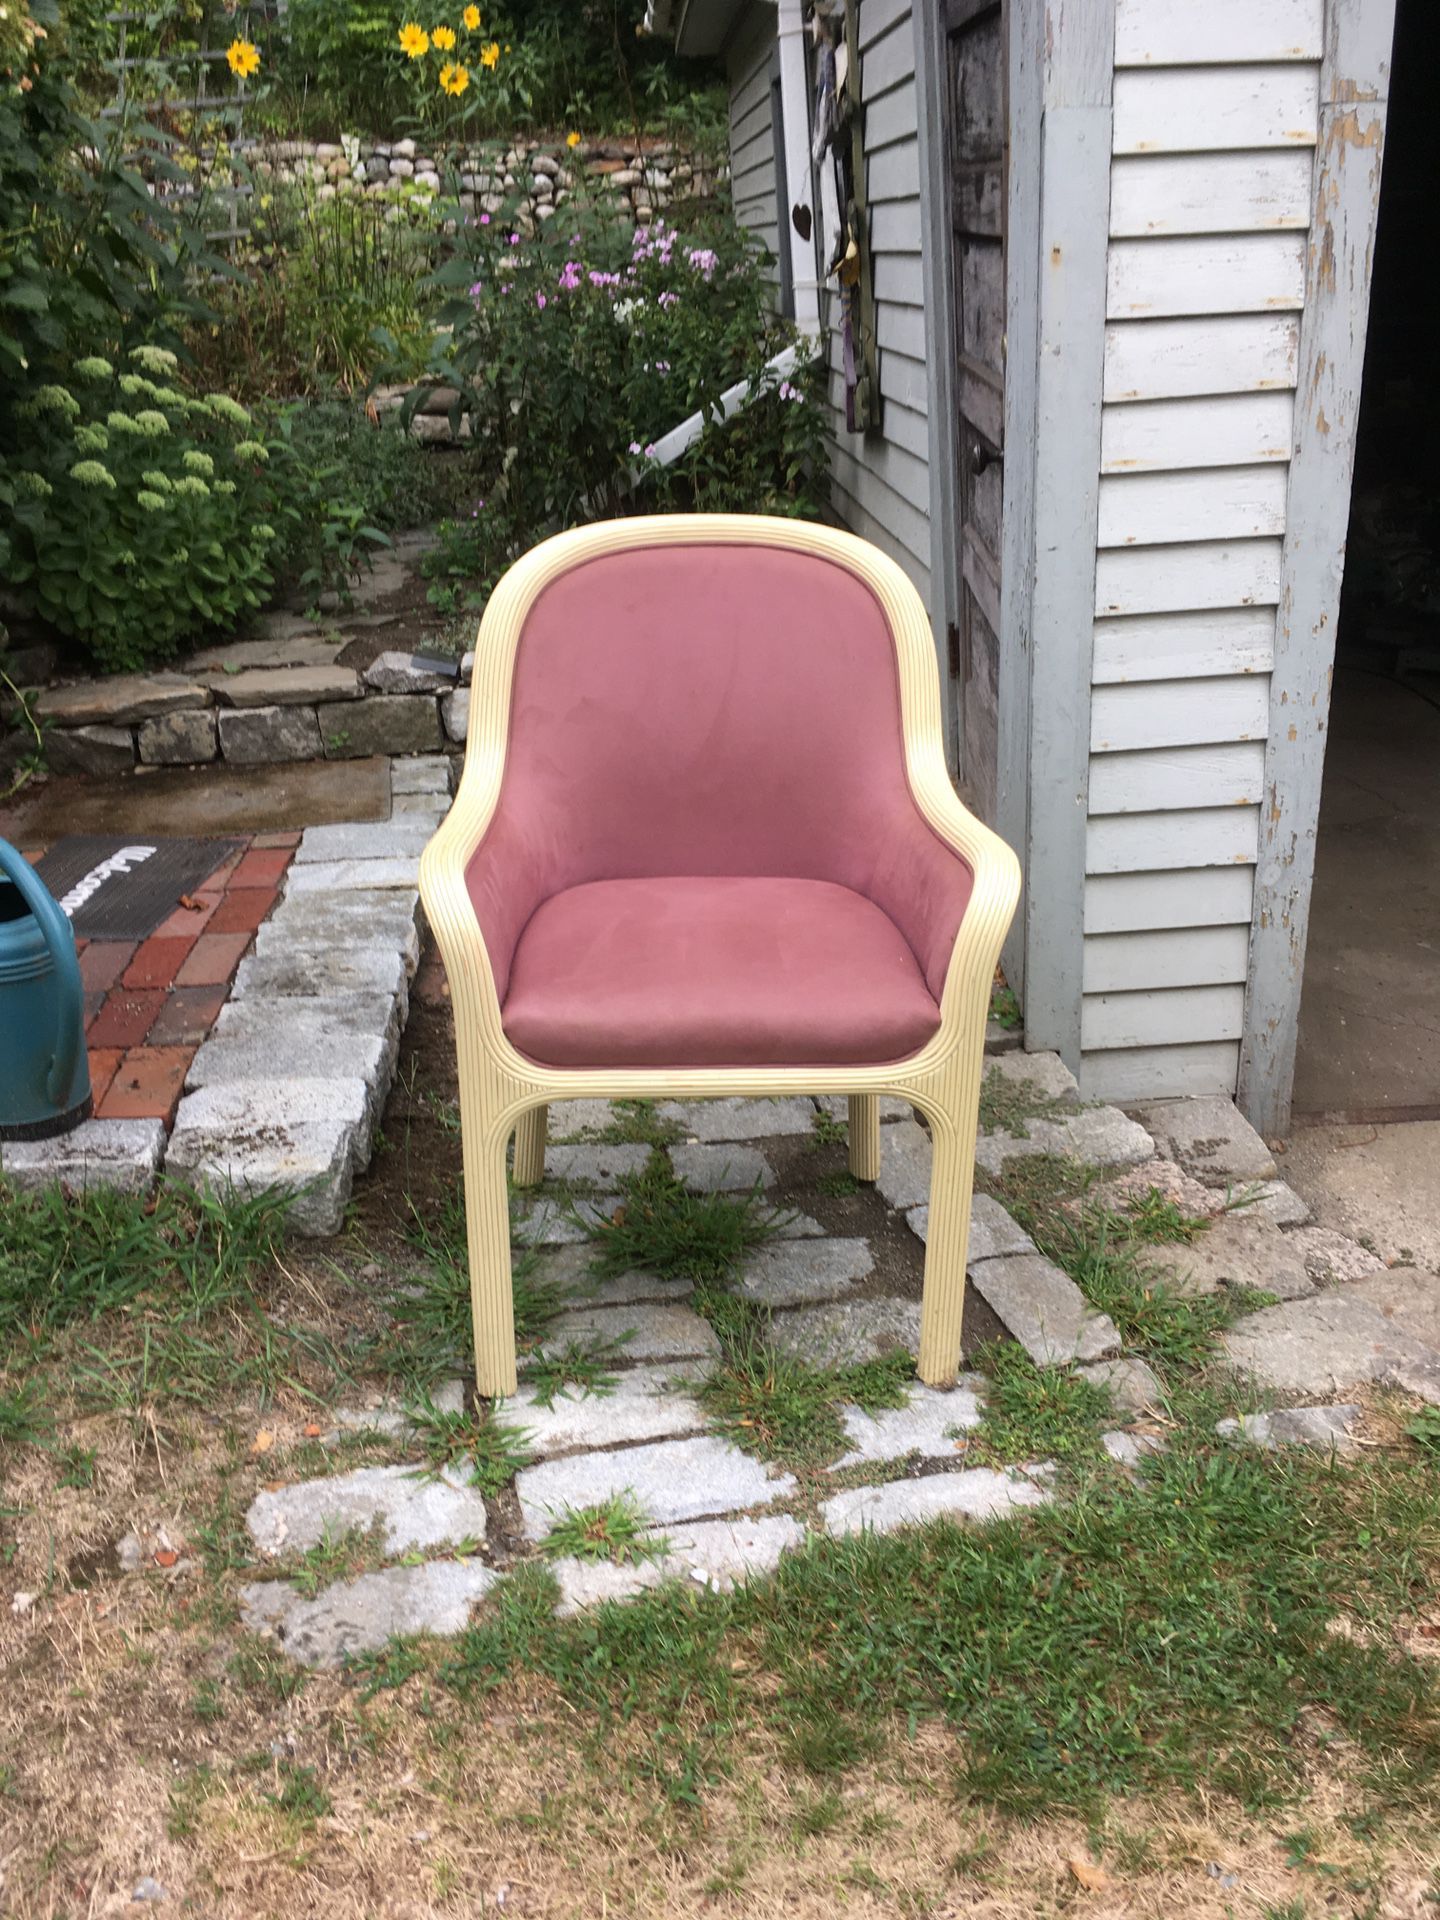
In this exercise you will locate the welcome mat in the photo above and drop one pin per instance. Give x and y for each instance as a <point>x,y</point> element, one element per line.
<point>115,889</point>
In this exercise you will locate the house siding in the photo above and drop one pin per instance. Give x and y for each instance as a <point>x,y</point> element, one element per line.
<point>1215,122</point>
<point>754,166</point>
<point>881,479</point>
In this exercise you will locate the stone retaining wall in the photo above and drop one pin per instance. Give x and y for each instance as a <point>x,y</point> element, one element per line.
<point>641,180</point>
<point>398,705</point>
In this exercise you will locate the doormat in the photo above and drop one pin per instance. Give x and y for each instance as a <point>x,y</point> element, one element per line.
<point>116,889</point>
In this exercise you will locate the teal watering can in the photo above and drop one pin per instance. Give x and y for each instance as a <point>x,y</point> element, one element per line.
<point>44,1069</point>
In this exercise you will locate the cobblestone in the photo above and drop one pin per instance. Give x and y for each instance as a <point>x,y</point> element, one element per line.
<point>670,1480</point>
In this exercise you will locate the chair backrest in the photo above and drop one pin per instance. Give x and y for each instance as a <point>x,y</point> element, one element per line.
<point>705,707</point>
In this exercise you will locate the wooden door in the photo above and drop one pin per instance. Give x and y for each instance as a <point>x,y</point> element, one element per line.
<point>976,144</point>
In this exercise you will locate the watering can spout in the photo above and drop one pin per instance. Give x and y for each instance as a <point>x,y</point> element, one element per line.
<point>44,1069</point>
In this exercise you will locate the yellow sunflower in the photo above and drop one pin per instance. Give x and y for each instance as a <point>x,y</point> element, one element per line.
<point>490,55</point>
<point>471,17</point>
<point>414,40</point>
<point>244,58</point>
<point>454,79</point>
<point>443,38</point>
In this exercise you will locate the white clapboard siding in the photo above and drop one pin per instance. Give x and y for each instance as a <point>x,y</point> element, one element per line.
<point>753,171</point>
<point>1157,436</point>
<point>1183,646</point>
<point>1173,33</point>
<point>1154,1073</point>
<point>1170,579</point>
<point>1211,193</point>
<point>1145,842</point>
<point>1175,110</point>
<point>881,481</point>
<point>1205,273</point>
<point>1179,713</point>
<point>1188,897</point>
<point>1175,957</point>
<point>1216,503</point>
<point>1165,1017</point>
<point>1157,779</point>
<point>1169,359</point>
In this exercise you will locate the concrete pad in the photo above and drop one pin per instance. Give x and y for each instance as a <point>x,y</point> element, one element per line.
<point>905,1160</point>
<point>1274,1201</point>
<point>303,1137</point>
<point>979,1494</point>
<point>722,1169</point>
<point>1096,1136</point>
<point>595,1165</point>
<point>724,1120</point>
<point>1237,1250</point>
<point>346,876</point>
<point>1324,1345</point>
<point>1043,1074</point>
<point>1210,1138</point>
<point>1407,1298</point>
<point>787,1273</point>
<point>411,1510</point>
<point>931,1423</point>
<point>669,1480</point>
<point>1045,1310</point>
<point>123,1155</point>
<point>1132,1386</point>
<point>1382,1182</point>
<point>1327,1429</point>
<point>643,1331</point>
<point>718,1554</point>
<point>363,840</point>
<point>644,1404</point>
<point>365,1614</point>
<point>848,1331</point>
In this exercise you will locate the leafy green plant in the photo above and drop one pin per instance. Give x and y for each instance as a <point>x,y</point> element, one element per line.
<point>140,510</point>
<point>1424,1429</point>
<point>661,1228</point>
<point>618,1530</point>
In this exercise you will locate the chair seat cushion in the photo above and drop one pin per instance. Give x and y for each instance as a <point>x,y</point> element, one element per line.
<point>715,972</point>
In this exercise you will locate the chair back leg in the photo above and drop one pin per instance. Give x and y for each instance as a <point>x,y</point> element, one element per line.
<point>487,1228</point>
<point>529,1168</point>
<point>865,1136</point>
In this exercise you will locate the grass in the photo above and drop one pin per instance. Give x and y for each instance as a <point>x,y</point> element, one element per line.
<point>1006,1105</point>
<point>617,1530</point>
<point>1032,1413</point>
<point>490,1450</point>
<point>638,1122</point>
<point>587,1364</point>
<point>777,1406</point>
<point>661,1228</point>
<point>1424,1430</point>
<point>336,1555</point>
<point>1178,1633</point>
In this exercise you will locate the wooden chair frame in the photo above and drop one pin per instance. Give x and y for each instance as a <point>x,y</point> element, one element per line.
<point>503,1092</point>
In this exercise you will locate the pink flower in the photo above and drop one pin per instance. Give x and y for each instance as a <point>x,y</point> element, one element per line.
<point>668,299</point>
<point>484,219</point>
<point>634,446</point>
<point>540,300</point>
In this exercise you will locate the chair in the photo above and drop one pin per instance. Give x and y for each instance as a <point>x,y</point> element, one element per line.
<point>705,844</point>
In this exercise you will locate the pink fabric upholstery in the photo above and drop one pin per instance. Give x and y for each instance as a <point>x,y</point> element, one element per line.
<point>708,712</point>
<point>715,972</point>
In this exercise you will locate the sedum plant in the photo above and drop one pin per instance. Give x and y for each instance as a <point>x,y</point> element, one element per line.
<point>137,512</point>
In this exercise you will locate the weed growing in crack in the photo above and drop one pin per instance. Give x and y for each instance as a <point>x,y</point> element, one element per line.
<point>491,1451</point>
<point>634,1122</point>
<point>1034,1413</point>
<point>338,1554</point>
<point>618,1530</point>
<point>661,1228</point>
<point>1006,1105</point>
<point>587,1365</point>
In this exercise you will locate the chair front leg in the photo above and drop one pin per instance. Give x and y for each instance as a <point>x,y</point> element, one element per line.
<point>529,1168</point>
<point>487,1227</point>
<point>947,1240</point>
<point>865,1136</point>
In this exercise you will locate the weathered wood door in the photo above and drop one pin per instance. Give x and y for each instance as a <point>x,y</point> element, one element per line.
<point>976,147</point>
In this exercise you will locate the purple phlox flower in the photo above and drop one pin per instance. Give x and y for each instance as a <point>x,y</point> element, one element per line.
<point>634,446</point>
<point>662,366</point>
<point>484,219</point>
<point>598,279</point>
<point>650,451</point>
<point>704,260</point>
<point>476,289</point>
<point>540,300</point>
<point>506,285</point>
<point>514,239</point>
<point>668,299</point>
<point>569,276</point>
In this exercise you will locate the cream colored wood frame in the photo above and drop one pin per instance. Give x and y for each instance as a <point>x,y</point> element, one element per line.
<point>501,1091</point>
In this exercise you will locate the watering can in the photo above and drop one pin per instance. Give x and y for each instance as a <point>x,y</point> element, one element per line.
<point>44,1069</point>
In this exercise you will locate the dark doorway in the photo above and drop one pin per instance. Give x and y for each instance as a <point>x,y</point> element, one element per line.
<point>1370,1010</point>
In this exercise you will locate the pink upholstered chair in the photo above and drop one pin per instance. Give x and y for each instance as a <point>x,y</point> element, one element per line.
<point>705,844</point>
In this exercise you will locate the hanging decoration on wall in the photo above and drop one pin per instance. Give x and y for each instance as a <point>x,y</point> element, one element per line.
<point>839,123</point>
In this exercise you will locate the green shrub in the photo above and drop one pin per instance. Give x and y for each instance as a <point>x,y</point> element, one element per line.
<point>576,348</point>
<point>138,515</point>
